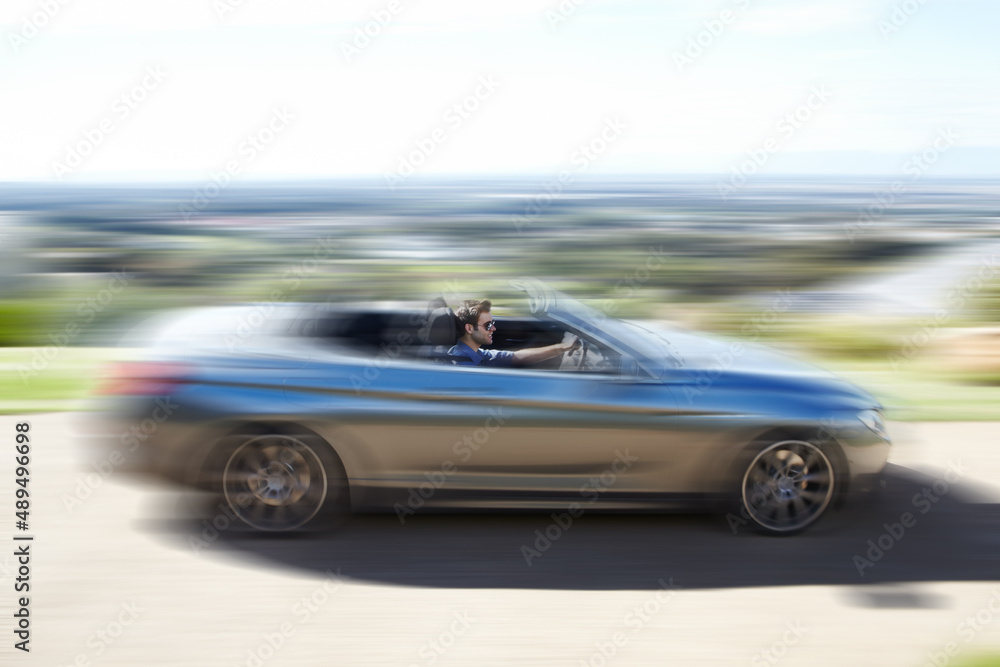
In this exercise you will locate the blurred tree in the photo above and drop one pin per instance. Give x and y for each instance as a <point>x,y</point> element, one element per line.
<point>22,323</point>
<point>986,302</point>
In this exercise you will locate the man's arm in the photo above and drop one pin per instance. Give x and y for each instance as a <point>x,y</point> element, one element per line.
<point>536,354</point>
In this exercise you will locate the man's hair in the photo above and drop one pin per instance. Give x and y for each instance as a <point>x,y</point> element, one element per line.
<point>469,311</point>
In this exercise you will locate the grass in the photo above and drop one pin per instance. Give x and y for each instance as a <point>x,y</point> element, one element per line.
<point>928,385</point>
<point>981,660</point>
<point>58,385</point>
<point>920,394</point>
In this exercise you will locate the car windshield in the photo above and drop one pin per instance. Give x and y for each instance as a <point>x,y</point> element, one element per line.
<point>647,348</point>
<point>663,346</point>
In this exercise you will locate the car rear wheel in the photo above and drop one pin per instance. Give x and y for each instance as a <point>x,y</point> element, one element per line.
<point>279,482</point>
<point>787,486</point>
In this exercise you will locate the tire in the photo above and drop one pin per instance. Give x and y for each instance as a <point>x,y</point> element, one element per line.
<point>787,487</point>
<point>283,482</point>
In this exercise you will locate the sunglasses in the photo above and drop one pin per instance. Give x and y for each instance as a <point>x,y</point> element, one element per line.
<point>489,326</point>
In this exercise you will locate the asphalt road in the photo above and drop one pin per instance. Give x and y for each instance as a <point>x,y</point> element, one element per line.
<point>124,574</point>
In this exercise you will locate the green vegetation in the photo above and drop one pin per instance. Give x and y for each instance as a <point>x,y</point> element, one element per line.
<point>30,383</point>
<point>23,321</point>
<point>981,660</point>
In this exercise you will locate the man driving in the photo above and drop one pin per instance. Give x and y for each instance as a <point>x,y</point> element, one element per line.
<point>478,326</point>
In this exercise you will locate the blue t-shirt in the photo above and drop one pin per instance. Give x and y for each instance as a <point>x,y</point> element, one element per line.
<point>463,354</point>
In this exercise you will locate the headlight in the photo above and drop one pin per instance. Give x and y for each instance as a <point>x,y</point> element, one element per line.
<point>873,419</point>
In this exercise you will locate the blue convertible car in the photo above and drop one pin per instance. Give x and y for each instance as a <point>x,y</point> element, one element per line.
<point>297,414</point>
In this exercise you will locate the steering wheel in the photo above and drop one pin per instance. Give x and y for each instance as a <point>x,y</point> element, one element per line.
<point>583,355</point>
<point>569,363</point>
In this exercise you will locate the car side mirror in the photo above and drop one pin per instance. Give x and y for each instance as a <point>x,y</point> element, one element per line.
<point>630,368</point>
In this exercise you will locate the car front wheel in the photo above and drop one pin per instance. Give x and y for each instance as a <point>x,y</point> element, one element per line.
<point>787,487</point>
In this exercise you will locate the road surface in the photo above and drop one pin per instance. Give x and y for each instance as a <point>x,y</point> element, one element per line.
<point>120,574</point>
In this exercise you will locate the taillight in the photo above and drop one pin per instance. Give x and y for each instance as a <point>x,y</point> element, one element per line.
<point>134,378</point>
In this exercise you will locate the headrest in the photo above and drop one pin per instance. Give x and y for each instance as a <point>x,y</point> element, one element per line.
<point>442,327</point>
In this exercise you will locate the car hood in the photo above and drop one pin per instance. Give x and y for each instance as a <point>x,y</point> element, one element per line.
<point>671,353</point>
<point>698,357</point>
<point>698,351</point>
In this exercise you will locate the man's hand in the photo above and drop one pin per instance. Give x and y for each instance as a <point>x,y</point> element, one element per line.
<point>570,341</point>
<point>537,354</point>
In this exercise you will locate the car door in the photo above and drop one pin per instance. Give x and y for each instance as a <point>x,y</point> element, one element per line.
<point>510,436</point>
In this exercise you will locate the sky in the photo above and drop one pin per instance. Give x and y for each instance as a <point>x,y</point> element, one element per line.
<point>189,90</point>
